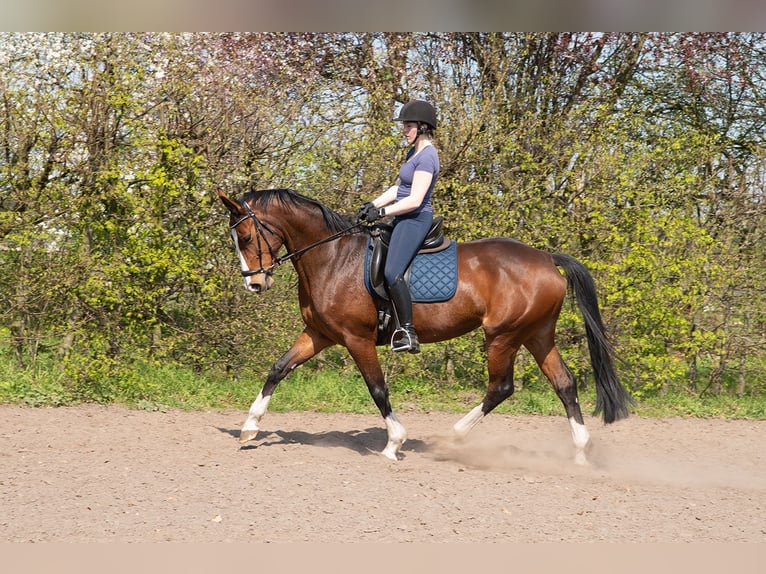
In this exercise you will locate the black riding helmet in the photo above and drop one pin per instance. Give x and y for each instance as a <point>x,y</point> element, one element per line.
<point>418,111</point>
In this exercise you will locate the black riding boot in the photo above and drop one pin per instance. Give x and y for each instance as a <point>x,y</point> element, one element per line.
<point>405,338</point>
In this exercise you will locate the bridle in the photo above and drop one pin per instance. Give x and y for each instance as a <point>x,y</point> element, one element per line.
<point>260,229</point>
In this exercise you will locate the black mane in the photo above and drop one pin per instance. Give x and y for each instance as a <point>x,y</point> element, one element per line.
<point>265,197</point>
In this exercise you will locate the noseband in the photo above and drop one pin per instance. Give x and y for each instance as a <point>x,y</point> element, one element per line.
<point>260,226</point>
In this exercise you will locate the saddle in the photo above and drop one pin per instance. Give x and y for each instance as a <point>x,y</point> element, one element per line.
<point>431,277</point>
<point>380,235</point>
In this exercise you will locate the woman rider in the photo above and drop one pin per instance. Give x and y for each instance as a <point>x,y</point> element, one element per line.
<point>409,201</point>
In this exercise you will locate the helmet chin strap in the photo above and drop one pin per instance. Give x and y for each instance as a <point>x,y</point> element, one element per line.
<point>420,132</point>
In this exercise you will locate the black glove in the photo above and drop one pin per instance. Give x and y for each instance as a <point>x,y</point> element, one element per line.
<point>368,213</point>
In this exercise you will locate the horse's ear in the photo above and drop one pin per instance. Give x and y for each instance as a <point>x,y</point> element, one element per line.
<point>230,204</point>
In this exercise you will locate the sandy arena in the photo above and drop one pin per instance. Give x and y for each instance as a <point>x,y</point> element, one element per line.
<point>111,474</point>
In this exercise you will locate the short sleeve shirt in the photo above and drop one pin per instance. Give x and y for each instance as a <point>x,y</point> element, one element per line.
<point>426,160</point>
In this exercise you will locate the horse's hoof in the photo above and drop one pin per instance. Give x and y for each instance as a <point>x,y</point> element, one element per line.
<point>581,459</point>
<point>247,435</point>
<point>390,455</point>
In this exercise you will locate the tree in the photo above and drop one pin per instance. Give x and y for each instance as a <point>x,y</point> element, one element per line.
<point>640,154</point>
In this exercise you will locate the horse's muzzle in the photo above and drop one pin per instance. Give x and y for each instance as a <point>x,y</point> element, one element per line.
<point>259,284</point>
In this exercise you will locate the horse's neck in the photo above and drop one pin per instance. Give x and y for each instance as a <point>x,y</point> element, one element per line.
<point>325,257</point>
<point>299,237</point>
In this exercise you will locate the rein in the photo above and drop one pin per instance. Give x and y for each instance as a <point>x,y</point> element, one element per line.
<point>260,226</point>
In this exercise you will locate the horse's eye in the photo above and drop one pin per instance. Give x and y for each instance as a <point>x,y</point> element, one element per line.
<point>247,238</point>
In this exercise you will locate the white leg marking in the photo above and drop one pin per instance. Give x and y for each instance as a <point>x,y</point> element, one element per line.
<point>581,439</point>
<point>257,410</point>
<point>464,425</point>
<point>397,434</point>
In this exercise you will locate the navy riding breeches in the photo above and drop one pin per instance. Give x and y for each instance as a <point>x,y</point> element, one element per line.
<point>407,237</point>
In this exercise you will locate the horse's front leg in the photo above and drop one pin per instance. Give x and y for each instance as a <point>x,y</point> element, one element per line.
<point>306,346</point>
<point>365,356</point>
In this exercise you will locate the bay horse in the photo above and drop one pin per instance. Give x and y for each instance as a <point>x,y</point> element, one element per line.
<point>513,291</point>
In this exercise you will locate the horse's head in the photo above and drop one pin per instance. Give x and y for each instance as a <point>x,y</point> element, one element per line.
<point>255,241</point>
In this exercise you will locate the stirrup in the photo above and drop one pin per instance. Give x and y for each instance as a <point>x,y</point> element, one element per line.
<point>408,341</point>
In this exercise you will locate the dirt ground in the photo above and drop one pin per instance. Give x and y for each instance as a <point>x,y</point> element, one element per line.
<point>110,474</point>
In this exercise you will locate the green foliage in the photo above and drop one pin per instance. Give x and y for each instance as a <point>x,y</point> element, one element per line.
<point>638,154</point>
<point>154,386</point>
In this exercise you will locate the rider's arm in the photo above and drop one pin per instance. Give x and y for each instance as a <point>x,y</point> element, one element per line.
<point>387,197</point>
<point>420,183</point>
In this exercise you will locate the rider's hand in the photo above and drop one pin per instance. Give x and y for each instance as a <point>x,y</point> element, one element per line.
<point>368,213</point>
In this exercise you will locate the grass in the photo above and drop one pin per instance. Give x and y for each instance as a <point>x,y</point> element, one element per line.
<point>161,387</point>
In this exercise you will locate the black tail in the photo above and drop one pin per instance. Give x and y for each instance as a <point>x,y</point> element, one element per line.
<point>611,397</point>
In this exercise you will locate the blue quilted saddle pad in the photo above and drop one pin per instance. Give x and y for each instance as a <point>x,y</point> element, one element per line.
<point>432,276</point>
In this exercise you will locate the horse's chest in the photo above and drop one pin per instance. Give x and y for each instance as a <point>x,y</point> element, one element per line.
<point>313,310</point>
<point>326,311</point>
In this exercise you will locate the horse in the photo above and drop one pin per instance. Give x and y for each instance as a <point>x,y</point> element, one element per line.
<point>513,291</point>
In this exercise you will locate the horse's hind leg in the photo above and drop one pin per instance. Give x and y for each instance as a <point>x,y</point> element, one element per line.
<point>547,356</point>
<point>501,354</point>
<point>306,346</point>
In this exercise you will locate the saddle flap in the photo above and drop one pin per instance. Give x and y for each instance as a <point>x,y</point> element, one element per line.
<point>378,252</point>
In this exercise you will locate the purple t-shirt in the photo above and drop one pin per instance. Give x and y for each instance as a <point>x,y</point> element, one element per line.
<point>426,160</point>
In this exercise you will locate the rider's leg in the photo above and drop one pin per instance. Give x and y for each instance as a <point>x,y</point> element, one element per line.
<point>406,239</point>
<point>400,297</point>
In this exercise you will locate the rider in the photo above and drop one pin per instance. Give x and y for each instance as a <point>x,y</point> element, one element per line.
<point>409,201</point>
